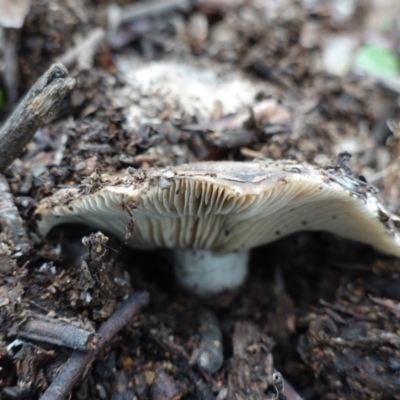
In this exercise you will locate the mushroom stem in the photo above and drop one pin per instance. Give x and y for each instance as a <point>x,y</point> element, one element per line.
<point>204,273</point>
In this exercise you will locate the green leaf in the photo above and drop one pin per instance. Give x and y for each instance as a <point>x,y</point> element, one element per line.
<point>377,61</point>
<point>2,99</point>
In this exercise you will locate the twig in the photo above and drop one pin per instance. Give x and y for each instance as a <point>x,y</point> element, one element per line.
<point>12,227</point>
<point>83,53</point>
<point>41,101</point>
<point>122,15</point>
<point>79,362</point>
<point>57,332</point>
<point>172,347</point>
<point>59,153</point>
<point>10,57</point>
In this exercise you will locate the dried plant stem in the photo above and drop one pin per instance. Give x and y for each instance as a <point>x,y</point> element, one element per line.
<point>83,53</point>
<point>80,362</point>
<point>59,333</point>
<point>40,103</point>
<point>121,15</point>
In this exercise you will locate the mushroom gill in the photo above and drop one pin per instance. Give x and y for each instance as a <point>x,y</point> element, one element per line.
<point>212,213</point>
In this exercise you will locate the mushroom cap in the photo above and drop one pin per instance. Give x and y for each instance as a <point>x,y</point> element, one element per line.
<point>227,206</point>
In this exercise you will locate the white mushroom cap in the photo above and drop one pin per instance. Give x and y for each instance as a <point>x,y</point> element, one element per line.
<point>223,207</point>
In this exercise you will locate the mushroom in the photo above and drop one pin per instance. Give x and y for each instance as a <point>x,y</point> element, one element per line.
<point>211,214</point>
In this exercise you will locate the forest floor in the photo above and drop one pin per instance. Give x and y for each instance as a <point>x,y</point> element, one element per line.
<point>165,83</point>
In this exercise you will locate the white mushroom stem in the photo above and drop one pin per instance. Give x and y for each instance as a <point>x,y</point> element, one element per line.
<point>204,273</point>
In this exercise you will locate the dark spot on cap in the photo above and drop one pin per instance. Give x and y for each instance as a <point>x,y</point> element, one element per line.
<point>277,233</point>
<point>304,223</point>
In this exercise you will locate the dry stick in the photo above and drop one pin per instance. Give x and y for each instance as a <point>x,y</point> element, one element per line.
<point>58,333</point>
<point>121,15</point>
<point>84,51</point>
<point>40,102</point>
<point>79,362</point>
<point>10,59</point>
